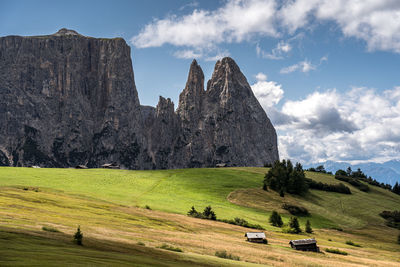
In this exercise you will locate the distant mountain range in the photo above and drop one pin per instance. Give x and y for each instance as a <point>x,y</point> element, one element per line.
<point>387,172</point>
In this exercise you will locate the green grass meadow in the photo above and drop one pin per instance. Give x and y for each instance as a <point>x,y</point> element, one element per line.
<point>41,209</point>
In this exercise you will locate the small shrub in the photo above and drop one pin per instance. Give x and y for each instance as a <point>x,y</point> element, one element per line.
<point>171,248</point>
<point>223,254</point>
<point>50,229</point>
<point>141,243</point>
<point>147,207</point>
<point>296,210</point>
<point>78,236</point>
<point>243,223</point>
<point>275,219</point>
<point>351,243</point>
<point>26,188</point>
<point>329,239</point>
<point>308,227</point>
<point>336,251</point>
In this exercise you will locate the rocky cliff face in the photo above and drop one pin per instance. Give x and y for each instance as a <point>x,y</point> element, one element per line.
<point>67,99</point>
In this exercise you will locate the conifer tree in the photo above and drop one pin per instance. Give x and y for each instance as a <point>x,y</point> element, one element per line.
<point>275,219</point>
<point>294,225</point>
<point>308,227</point>
<point>78,236</point>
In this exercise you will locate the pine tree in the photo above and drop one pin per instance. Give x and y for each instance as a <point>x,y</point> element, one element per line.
<point>78,236</point>
<point>308,227</point>
<point>192,212</point>
<point>294,225</point>
<point>396,188</point>
<point>281,193</point>
<point>275,219</point>
<point>209,213</point>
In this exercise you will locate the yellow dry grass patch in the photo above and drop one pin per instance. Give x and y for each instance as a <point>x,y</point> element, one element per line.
<point>109,222</point>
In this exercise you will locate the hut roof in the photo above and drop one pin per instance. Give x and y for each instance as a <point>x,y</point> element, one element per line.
<point>303,241</point>
<point>255,235</point>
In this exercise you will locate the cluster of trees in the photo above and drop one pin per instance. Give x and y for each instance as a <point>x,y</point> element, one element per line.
<point>392,218</point>
<point>283,177</point>
<point>354,181</point>
<point>296,210</point>
<point>360,175</point>
<point>319,168</point>
<point>242,222</point>
<point>208,213</point>
<point>293,226</point>
<point>338,188</point>
<point>396,188</point>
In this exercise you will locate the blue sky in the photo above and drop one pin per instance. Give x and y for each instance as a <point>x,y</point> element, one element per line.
<point>326,72</point>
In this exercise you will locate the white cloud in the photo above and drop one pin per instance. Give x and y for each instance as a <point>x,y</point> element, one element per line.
<point>360,124</point>
<point>377,22</point>
<point>188,54</point>
<point>268,93</point>
<point>218,56</point>
<point>303,66</point>
<point>281,49</point>
<point>203,28</point>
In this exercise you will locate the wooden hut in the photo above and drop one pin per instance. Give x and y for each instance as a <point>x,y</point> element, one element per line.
<point>110,166</point>
<point>81,167</point>
<point>256,237</point>
<point>221,165</point>
<point>305,244</point>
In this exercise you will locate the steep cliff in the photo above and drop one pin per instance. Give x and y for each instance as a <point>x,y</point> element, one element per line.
<point>68,99</point>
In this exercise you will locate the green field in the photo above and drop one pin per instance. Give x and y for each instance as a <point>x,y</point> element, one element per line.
<point>109,206</point>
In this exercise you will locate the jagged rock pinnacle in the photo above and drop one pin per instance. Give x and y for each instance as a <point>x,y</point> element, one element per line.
<point>191,97</point>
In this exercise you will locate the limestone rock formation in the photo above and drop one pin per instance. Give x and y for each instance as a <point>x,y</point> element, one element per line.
<point>232,129</point>
<point>67,100</point>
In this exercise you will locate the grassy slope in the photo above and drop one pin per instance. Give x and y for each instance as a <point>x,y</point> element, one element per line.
<point>103,202</point>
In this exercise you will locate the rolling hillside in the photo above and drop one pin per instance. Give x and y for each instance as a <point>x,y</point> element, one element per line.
<point>110,207</point>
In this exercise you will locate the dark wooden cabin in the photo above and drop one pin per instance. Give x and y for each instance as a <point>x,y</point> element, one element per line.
<point>81,167</point>
<point>305,244</point>
<point>110,166</point>
<point>258,237</point>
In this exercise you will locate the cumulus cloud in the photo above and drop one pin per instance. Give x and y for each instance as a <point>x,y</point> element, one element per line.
<point>377,22</point>
<point>268,93</point>
<point>360,124</point>
<point>203,28</point>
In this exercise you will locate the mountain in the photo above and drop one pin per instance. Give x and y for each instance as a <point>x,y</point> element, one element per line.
<point>387,172</point>
<point>68,99</point>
